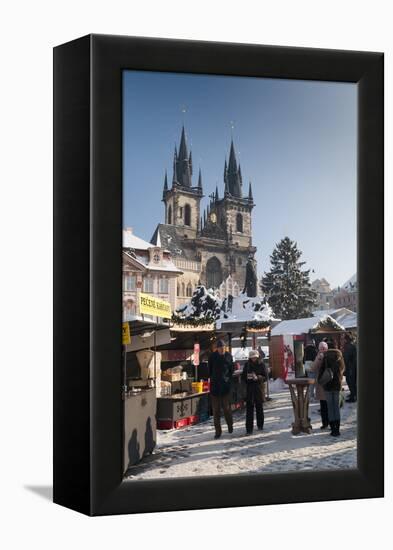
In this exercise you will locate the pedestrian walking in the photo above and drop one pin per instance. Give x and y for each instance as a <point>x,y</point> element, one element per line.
<point>330,377</point>
<point>221,371</point>
<point>254,375</point>
<point>310,353</point>
<point>350,360</point>
<point>319,391</point>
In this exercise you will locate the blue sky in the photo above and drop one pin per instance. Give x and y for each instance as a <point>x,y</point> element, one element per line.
<point>295,140</point>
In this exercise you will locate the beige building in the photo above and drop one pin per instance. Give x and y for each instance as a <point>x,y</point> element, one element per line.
<point>146,268</point>
<point>210,248</point>
<point>325,295</point>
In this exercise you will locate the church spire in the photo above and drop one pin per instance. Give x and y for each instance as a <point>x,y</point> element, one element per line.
<point>250,197</point>
<point>183,164</point>
<point>233,175</point>
<point>165,184</point>
<point>200,180</point>
<point>216,194</point>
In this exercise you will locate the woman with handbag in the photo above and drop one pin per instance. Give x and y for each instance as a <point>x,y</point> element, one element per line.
<point>330,377</point>
<point>319,391</point>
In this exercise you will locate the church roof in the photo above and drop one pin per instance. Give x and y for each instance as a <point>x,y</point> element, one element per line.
<point>168,236</point>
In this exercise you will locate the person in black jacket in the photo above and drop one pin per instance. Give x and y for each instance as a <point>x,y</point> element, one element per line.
<point>333,360</point>
<point>254,375</point>
<point>310,354</point>
<point>221,371</point>
<point>350,360</point>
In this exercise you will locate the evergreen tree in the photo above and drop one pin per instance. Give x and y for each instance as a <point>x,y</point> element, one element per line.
<point>286,286</point>
<point>203,308</point>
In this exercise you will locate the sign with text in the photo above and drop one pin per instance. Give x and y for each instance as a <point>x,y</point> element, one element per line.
<point>126,334</point>
<point>154,306</point>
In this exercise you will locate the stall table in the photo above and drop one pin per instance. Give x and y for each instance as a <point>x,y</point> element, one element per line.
<point>299,389</point>
<point>179,410</point>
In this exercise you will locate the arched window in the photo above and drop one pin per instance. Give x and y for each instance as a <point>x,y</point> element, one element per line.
<point>178,289</point>
<point>213,273</point>
<point>183,289</point>
<point>170,215</point>
<point>187,214</point>
<point>189,290</point>
<point>239,223</point>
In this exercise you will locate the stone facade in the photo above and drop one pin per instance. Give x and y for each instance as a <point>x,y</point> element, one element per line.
<point>146,268</point>
<point>211,247</point>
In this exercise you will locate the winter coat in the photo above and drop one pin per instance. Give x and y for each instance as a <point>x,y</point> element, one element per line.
<point>254,387</point>
<point>334,360</point>
<point>220,371</point>
<point>319,391</point>
<point>350,357</point>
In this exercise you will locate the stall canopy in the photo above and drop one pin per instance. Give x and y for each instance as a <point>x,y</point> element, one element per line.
<point>324,324</point>
<point>145,333</point>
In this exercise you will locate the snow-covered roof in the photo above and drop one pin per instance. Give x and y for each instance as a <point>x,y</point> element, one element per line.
<point>351,283</point>
<point>302,326</point>
<point>347,318</point>
<point>132,241</point>
<point>245,309</point>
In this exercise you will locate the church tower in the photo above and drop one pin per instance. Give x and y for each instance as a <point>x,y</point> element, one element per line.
<point>182,200</point>
<point>233,212</point>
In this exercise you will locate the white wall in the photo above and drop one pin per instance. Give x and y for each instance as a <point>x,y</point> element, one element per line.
<point>28,32</point>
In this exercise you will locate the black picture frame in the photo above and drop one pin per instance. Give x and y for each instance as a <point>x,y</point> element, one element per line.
<point>88,283</point>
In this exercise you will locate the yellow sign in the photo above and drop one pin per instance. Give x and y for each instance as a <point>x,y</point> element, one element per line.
<point>154,306</point>
<point>126,334</point>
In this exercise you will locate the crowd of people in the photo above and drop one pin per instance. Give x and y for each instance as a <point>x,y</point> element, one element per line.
<point>326,365</point>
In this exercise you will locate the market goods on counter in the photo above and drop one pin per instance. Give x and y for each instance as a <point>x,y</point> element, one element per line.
<point>173,374</point>
<point>197,387</point>
<point>166,388</point>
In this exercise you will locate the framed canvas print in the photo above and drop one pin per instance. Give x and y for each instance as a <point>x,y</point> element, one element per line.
<point>218,275</point>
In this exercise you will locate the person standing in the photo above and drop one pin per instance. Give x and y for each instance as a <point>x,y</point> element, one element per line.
<point>254,375</point>
<point>350,360</point>
<point>310,353</point>
<point>221,371</point>
<point>333,363</point>
<point>319,391</point>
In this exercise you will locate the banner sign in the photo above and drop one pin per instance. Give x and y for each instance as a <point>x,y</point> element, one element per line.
<point>197,349</point>
<point>126,334</point>
<point>154,306</point>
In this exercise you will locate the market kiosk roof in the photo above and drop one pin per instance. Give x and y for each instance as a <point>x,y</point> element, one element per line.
<point>323,324</point>
<point>185,339</point>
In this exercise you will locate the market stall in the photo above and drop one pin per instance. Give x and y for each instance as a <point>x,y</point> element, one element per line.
<point>288,339</point>
<point>184,398</point>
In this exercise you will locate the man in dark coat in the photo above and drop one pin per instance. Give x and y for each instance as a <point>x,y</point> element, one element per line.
<point>333,360</point>
<point>254,375</point>
<point>221,370</point>
<point>350,360</point>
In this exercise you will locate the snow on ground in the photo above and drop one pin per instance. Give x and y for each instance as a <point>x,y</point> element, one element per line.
<point>192,451</point>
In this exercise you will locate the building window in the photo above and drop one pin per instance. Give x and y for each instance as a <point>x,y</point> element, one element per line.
<point>178,289</point>
<point>148,284</point>
<point>239,223</point>
<point>189,290</point>
<point>170,215</point>
<point>164,285</point>
<point>187,215</point>
<point>213,273</point>
<point>183,289</point>
<point>130,282</point>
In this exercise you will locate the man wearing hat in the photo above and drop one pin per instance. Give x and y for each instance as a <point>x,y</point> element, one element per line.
<point>221,370</point>
<point>254,374</point>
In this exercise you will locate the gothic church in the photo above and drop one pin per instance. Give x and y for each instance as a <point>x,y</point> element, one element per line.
<point>210,248</point>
